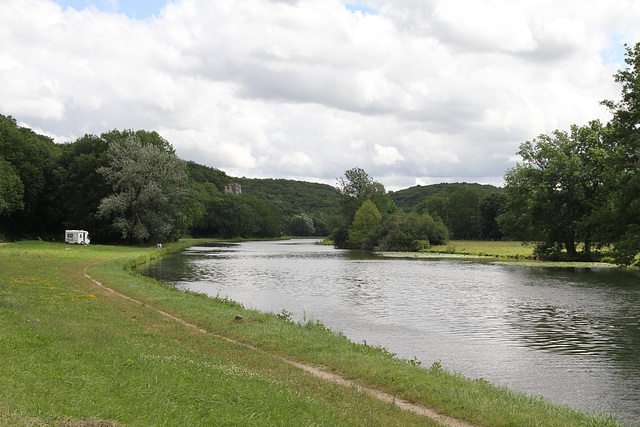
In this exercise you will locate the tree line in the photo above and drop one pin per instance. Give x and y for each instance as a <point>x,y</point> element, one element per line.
<point>127,187</point>
<point>579,190</point>
<point>574,193</point>
<point>130,187</point>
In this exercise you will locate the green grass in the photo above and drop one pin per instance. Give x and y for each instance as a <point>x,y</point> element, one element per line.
<point>74,353</point>
<point>498,249</point>
<point>512,252</point>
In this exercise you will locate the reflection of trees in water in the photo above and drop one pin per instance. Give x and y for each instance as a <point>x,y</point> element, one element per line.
<point>569,330</point>
<point>577,311</point>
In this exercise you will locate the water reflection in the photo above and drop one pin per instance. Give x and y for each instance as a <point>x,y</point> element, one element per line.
<point>562,330</point>
<point>571,335</point>
<point>592,312</point>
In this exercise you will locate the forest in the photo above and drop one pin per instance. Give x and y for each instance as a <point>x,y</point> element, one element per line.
<point>575,193</point>
<point>130,187</point>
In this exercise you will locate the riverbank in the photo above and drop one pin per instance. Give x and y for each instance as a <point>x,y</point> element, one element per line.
<point>498,252</point>
<point>93,355</point>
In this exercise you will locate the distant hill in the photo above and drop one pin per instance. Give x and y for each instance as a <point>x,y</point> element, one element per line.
<point>294,197</point>
<point>200,173</point>
<point>317,200</point>
<point>409,198</point>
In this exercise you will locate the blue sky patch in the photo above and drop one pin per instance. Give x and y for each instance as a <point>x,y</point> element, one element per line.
<point>359,6</point>
<point>134,9</point>
<point>615,53</point>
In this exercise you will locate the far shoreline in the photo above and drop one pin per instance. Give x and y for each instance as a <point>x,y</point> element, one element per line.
<point>495,259</point>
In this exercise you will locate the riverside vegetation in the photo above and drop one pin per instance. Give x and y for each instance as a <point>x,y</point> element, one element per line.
<point>574,193</point>
<point>74,353</point>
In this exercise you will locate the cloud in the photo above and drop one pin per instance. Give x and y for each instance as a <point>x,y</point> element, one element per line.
<point>386,156</point>
<point>416,92</point>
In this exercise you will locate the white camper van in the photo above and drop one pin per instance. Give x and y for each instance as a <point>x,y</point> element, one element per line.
<point>76,237</point>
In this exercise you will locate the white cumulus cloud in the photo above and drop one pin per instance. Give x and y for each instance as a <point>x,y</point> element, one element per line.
<point>385,156</point>
<point>411,91</point>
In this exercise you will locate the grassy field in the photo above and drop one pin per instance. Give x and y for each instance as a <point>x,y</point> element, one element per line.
<point>73,353</point>
<point>498,249</point>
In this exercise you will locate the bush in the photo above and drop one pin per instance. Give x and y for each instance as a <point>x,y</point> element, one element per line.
<point>300,225</point>
<point>411,232</point>
<point>339,237</point>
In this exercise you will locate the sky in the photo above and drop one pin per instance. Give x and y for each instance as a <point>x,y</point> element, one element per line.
<point>415,92</point>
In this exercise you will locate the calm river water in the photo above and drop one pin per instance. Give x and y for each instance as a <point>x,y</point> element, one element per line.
<point>571,335</point>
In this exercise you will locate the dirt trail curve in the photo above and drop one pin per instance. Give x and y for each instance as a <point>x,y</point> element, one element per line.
<point>324,375</point>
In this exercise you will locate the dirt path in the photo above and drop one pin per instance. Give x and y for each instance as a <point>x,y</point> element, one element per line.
<point>317,372</point>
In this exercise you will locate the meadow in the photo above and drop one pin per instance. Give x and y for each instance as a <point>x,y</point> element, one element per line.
<point>498,249</point>
<point>75,351</point>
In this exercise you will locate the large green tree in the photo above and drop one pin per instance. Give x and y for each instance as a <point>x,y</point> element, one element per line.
<point>149,185</point>
<point>375,221</point>
<point>491,207</point>
<point>300,225</point>
<point>463,213</point>
<point>364,227</point>
<point>583,186</point>
<point>82,188</point>
<point>554,193</point>
<point>620,218</point>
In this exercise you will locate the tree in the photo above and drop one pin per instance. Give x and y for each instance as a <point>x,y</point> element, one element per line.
<point>621,216</point>
<point>469,210</point>
<point>554,193</point>
<point>82,188</point>
<point>199,202</point>
<point>149,186</point>
<point>145,138</point>
<point>301,225</point>
<point>411,232</point>
<point>364,226</point>
<point>435,206</point>
<point>267,216</point>
<point>11,189</point>
<point>491,207</point>
<point>356,187</point>
<point>463,213</point>
<point>29,158</point>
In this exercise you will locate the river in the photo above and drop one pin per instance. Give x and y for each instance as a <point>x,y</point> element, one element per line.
<point>571,335</point>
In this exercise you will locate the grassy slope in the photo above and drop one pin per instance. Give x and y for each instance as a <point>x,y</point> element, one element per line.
<point>72,351</point>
